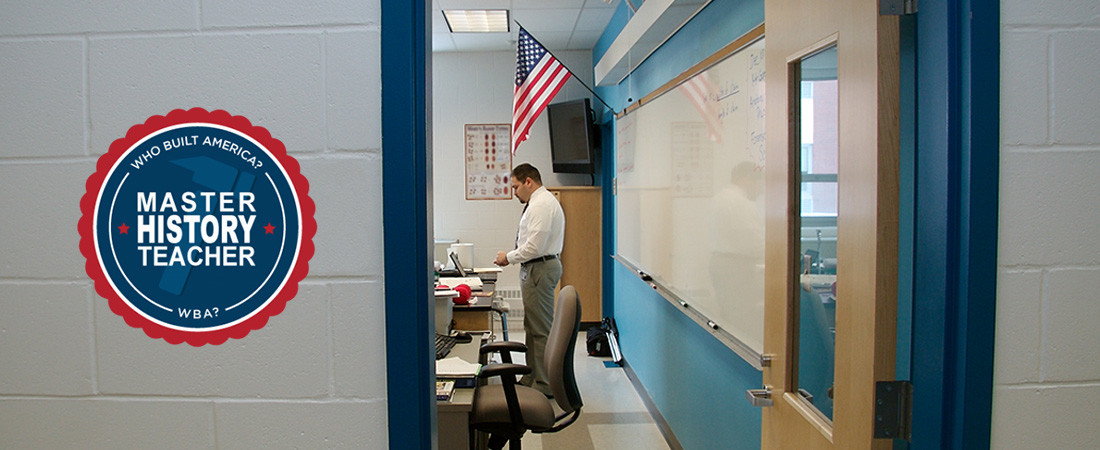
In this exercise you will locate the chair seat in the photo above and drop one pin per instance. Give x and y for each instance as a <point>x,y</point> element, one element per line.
<point>490,407</point>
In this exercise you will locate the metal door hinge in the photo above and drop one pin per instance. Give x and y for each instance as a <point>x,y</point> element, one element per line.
<point>615,186</point>
<point>893,409</point>
<point>760,397</point>
<point>766,360</point>
<point>806,395</point>
<point>897,7</point>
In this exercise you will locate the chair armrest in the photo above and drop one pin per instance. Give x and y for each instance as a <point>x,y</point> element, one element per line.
<point>505,348</point>
<point>510,346</point>
<point>500,370</point>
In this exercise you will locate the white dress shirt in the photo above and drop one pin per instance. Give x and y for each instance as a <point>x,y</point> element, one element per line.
<point>541,228</point>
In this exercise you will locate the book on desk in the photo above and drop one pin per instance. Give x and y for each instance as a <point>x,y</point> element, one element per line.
<point>444,389</point>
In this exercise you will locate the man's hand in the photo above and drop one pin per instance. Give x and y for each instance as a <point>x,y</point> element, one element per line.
<point>502,259</point>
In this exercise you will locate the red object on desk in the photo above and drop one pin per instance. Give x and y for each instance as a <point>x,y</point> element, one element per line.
<point>463,294</point>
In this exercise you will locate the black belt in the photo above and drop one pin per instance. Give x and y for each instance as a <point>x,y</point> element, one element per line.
<point>541,259</point>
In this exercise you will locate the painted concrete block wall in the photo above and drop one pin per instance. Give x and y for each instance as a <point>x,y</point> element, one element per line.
<point>74,76</point>
<point>1047,373</point>
<point>476,88</point>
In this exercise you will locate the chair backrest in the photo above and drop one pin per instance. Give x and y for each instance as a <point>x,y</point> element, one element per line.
<point>559,350</point>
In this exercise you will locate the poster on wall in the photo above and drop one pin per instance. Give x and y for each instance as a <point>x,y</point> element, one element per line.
<point>488,161</point>
<point>692,160</point>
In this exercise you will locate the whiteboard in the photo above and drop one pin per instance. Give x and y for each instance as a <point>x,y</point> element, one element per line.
<point>690,192</point>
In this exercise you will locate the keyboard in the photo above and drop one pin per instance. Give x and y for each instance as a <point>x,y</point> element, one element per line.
<point>443,345</point>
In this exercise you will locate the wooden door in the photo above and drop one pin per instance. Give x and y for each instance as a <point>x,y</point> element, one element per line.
<point>864,45</point>
<point>581,251</point>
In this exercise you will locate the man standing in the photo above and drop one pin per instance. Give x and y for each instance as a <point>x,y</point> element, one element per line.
<point>538,243</point>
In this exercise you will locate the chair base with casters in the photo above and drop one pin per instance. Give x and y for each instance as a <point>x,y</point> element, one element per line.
<point>508,410</point>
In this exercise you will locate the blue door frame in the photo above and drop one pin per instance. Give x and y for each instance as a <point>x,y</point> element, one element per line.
<point>407,223</point>
<point>955,257</point>
<point>957,179</point>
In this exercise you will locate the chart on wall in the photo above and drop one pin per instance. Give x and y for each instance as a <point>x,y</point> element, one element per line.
<point>488,161</point>
<point>690,202</point>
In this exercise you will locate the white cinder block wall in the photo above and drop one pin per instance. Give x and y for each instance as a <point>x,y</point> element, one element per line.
<point>472,88</point>
<point>74,76</point>
<point>1047,370</point>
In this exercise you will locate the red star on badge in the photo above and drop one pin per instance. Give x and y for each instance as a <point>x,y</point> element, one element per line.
<point>270,229</point>
<point>123,229</point>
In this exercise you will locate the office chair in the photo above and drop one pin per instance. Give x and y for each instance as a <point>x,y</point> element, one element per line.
<point>510,410</point>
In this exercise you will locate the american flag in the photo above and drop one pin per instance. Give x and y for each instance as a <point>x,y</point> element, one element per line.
<point>701,92</point>
<point>539,76</point>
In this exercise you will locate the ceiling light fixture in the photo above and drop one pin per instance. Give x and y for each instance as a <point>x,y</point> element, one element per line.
<point>477,21</point>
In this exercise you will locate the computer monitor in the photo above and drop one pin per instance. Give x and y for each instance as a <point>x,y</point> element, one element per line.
<point>458,265</point>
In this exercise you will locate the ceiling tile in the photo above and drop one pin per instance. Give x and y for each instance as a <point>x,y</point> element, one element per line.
<point>592,4</point>
<point>482,42</point>
<point>439,23</point>
<point>474,4</point>
<point>441,42</point>
<point>594,19</point>
<point>559,24</point>
<point>584,40</point>
<point>547,4</point>
<point>553,40</point>
<point>541,20</point>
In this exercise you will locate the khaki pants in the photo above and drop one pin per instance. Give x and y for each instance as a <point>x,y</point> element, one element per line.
<point>537,283</point>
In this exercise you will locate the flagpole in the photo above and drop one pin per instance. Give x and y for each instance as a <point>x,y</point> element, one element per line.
<point>560,61</point>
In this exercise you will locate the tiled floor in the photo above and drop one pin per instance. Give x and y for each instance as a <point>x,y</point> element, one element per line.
<point>613,415</point>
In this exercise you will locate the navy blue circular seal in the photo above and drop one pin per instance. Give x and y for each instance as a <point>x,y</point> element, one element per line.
<point>197,226</point>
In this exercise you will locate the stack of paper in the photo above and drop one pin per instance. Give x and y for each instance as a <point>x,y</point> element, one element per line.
<point>473,282</point>
<point>455,367</point>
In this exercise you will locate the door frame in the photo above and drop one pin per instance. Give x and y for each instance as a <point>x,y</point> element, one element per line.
<point>958,167</point>
<point>406,191</point>
<point>955,248</point>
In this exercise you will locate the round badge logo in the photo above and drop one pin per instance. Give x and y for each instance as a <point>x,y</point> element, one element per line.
<point>197,227</point>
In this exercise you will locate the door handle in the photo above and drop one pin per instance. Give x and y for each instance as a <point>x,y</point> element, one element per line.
<point>759,397</point>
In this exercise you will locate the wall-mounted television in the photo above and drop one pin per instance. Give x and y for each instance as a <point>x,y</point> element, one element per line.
<point>574,137</point>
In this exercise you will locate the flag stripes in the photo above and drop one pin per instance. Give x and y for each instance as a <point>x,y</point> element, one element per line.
<point>539,77</point>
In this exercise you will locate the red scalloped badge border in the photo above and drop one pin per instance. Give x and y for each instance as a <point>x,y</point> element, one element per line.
<point>118,149</point>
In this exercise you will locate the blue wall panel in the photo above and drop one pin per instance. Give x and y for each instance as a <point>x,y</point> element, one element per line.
<point>697,382</point>
<point>718,24</point>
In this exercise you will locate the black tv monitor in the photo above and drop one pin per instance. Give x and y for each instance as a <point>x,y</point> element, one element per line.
<point>574,137</point>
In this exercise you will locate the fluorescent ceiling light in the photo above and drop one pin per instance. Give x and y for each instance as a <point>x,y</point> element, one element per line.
<point>477,20</point>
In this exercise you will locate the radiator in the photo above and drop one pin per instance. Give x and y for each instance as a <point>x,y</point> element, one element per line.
<point>514,300</point>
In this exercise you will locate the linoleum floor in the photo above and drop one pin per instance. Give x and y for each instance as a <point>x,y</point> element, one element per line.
<point>613,415</point>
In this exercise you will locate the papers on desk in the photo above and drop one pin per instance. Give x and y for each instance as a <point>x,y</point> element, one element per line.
<point>455,367</point>
<point>473,282</point>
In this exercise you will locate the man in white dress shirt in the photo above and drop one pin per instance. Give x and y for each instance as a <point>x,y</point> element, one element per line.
<point>538,243</point>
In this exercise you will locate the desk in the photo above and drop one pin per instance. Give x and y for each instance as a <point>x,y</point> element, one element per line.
<point>479,316</point>
<point>453,420</point>
<point>476,316</point>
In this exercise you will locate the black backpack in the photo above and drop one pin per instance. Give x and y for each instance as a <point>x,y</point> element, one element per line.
<point>598,342</point>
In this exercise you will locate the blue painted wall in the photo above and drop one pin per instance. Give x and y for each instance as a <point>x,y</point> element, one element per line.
<point>720,22</point>
<point>948,270</point>
<point>697,383</point>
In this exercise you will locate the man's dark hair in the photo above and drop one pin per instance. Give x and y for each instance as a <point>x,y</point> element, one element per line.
<point>524,171</point>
